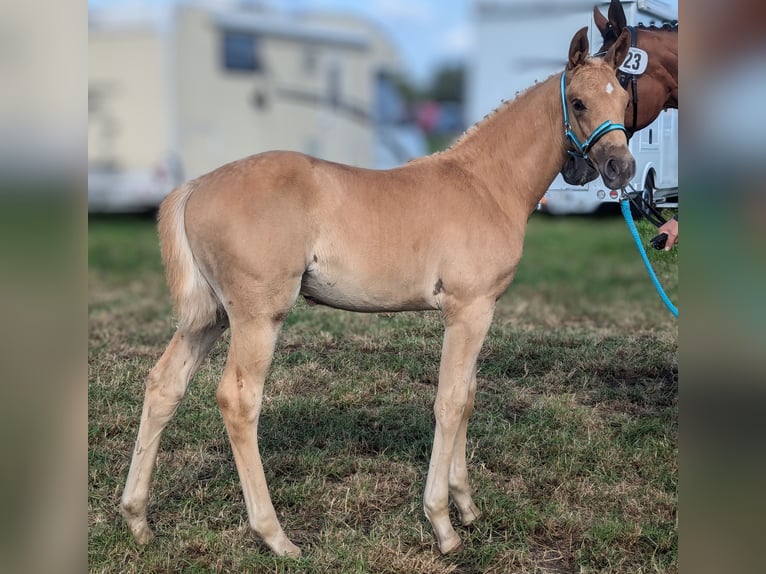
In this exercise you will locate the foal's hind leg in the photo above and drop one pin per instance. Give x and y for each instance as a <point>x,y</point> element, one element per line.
<point>165,387</point>
<point>240,395</point>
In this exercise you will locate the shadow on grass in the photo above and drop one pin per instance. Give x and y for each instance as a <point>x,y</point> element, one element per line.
<point>642,371</point>
<point>400,431</point>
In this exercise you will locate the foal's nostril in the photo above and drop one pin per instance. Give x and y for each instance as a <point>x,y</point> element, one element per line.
<point>612,168</point>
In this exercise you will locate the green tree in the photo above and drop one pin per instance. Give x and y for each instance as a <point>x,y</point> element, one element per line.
<point>447,85</point>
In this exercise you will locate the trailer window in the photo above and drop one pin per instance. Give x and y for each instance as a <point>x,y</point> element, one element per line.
<point>240,52</point>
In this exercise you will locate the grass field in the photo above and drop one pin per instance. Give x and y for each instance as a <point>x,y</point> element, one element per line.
<point>572,447</point>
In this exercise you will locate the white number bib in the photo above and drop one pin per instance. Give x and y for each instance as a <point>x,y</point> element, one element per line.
<point>636,62</point>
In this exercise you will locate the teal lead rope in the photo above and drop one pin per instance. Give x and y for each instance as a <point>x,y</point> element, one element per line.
<point>625,205</point>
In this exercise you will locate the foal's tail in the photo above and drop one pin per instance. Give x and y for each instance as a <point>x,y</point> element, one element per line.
<point>196,305</point>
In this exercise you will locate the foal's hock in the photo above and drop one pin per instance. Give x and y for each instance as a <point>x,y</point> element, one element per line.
<point>241,243</point>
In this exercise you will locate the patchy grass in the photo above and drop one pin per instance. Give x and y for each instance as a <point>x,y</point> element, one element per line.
<point>572,446</point>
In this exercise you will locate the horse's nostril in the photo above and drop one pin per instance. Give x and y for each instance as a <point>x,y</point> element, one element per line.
<point>612,168</point>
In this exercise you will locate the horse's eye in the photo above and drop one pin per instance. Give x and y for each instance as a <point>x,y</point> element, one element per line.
<point>578,106</point>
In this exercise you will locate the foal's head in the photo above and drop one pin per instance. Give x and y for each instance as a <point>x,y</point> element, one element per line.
<point>594,96</point>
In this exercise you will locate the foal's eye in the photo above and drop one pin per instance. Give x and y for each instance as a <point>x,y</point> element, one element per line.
<point>578,106</point>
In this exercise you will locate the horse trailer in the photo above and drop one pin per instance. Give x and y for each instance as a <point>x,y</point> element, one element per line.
<point>177,91</point>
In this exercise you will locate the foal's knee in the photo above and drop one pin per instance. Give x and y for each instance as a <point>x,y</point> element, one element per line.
<point>448,411</point>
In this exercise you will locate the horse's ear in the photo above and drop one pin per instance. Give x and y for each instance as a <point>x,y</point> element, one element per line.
<point>600,20</point>
<point>619,50</point>
<point>578,49</point>
<point>617,16</point>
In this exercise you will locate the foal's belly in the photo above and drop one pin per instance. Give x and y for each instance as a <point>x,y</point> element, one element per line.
<point>367,290</point>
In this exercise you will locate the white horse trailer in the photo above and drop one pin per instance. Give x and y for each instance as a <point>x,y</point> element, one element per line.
<point>656,151</point>
<point>178,91</point>
<point>520,42</point>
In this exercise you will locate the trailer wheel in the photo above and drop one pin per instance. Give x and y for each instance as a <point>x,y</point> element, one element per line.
<point>647,196</point>
<point>648,192</point>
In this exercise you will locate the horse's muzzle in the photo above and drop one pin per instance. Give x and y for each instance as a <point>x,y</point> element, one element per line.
<point>616,165</point>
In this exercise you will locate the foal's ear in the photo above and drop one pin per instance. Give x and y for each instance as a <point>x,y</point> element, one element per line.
<point>619,50</point>
<point>617,16</point>
<point>578,49</point>
<point>600,20</point>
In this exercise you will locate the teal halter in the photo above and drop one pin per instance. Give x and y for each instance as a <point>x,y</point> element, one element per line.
<point>582,148</point>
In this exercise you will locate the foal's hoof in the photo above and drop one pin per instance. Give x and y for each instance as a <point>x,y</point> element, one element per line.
<point>292,552</point>
<point>286,548</point>
<point>470,516</point>
<point>137,525</point>
<point>141,532</point>
<point>451,546</point>
<point>144,536</point>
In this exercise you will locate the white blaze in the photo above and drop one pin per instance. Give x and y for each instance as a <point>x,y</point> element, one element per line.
<point>609,88</point>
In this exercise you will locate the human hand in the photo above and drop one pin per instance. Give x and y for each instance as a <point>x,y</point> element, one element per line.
<point>670,228</point>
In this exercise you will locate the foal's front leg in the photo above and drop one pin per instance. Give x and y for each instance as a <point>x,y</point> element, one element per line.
<point>458,472</point>
<point>466,327</point>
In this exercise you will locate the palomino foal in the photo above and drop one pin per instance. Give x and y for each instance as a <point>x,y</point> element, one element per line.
<point>443,232</point>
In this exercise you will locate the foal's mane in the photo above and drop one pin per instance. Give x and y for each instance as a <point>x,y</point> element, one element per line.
<point>506,106</point>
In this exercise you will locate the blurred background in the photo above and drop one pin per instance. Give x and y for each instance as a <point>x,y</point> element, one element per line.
<point>178,88</point>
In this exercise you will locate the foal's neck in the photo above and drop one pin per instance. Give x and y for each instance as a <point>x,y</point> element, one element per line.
<point>517,150</point>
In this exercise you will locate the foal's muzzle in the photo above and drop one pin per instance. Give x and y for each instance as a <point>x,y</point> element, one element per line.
<point>615,164</point>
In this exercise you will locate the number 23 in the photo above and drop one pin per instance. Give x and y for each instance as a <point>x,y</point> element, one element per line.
<point>633,61</point>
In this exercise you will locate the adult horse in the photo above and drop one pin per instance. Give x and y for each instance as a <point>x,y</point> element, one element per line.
<point>443,232</point>
<point>656,88</point>
<point>651,91</point>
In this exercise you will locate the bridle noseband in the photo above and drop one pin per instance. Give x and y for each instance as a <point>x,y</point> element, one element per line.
<point>581,149</point>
